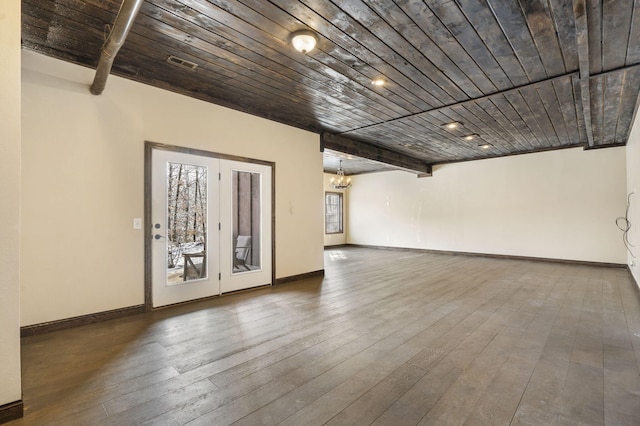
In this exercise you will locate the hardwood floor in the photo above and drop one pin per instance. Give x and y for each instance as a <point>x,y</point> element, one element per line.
<point>387,338</point>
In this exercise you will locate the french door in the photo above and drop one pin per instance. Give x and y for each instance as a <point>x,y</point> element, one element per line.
<point>210,226</point>
<point>245,215</point>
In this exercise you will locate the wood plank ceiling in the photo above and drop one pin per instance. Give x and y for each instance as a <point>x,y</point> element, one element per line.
<point>522,75</point>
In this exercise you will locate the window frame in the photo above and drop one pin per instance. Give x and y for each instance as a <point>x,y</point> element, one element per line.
<point>339,213</point>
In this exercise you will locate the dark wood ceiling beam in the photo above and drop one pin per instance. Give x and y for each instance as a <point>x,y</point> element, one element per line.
<point>528,88</point>
<point>495,66</point>
<point>119,31</point>
<point>582,38</point>
<point>469,101</point>
<point>631,99</point>
<point>623,69</point>
<point>372,152</point>
<point>567,104</point>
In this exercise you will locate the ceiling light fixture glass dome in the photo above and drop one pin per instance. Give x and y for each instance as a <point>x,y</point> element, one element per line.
<point>304,40</point>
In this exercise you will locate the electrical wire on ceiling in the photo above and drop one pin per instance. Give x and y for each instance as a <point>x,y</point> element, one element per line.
<point>624,225</point>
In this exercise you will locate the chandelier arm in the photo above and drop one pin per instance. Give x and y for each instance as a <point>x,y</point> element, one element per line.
<point>341,182</point>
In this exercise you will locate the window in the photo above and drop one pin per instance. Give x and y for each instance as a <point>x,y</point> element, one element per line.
<point>333,213</point>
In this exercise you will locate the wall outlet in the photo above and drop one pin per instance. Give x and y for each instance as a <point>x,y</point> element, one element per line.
<point>632,263</point>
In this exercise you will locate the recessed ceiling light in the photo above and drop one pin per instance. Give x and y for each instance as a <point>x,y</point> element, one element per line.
<point>379,81</point>
<point>304,40</point>
<point>452,125</point>
<point>485,146</point>
<point>470,137</point>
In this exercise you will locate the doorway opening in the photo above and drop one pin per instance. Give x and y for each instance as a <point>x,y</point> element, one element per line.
<point>208,224</point>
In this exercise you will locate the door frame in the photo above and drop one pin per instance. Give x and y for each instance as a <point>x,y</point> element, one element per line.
<point>148,230</point>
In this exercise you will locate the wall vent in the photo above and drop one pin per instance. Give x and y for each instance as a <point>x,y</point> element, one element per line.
<point>182,62</point>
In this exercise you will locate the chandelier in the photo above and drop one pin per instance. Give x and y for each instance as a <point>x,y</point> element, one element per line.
<point>340,182</point>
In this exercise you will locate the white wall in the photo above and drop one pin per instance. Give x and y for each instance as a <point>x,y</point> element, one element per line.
<point>10,387</point>
<point>336,239</point>
<point>558,204</point>
<point>633,185</point>
<point>83,184</point>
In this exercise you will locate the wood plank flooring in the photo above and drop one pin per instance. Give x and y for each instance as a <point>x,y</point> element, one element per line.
<point>386,338</point>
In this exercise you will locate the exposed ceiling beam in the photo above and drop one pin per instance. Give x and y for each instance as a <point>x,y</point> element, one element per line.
<point>375,153</point>
<point>444,61</point>
<point>533,85</point>
<point>582,37</point>
<point>123,23</point>
<point>633,118</point>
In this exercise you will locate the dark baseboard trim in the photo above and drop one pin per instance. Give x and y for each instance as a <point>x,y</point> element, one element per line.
<point>634,279</point>
<point>497,256</point>
<point>337,246</point>
<point>319,273</point>
<point>11,411</point>
<point>47,327</point>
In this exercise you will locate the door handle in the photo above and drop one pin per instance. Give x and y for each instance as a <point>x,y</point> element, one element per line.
<point>157,236</point>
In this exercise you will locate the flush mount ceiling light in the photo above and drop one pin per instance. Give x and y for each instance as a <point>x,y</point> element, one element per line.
<point>470,137</point>
<point>304,40</point>
<point>379,81</point>
<point>452,125</point>
<point>485,146</point>
<point>340,182</point>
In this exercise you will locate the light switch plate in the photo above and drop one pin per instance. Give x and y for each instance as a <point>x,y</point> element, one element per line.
<point>137,223</point>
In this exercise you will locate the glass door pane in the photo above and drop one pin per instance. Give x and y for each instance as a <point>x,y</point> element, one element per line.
<point>186,222</point>
<point>246,221</point>
<point>184,227</point>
